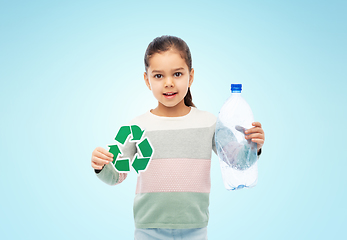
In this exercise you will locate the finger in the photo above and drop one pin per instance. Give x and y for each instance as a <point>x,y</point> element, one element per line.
<point>256,124</point>
<point>254,130</point>
<point>102,156</point>
<point>104,151</point>
<point>258,140</point>
<point>97,167</point>
<point>100,161</point>
<point>255,135</point>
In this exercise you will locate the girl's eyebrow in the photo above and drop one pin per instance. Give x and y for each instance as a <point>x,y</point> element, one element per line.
<point>177,69</point>
<point>174,70</point>
<point>154,71</point>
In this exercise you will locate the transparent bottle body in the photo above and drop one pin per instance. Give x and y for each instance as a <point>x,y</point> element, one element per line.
<point>237,155</point>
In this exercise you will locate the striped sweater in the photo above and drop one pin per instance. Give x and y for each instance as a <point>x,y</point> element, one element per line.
<point>174,190</point>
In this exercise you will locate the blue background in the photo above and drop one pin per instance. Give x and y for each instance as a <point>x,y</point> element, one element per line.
<point>72,73</point>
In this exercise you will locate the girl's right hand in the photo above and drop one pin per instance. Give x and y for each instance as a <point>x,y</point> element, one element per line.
<point>100,157</point>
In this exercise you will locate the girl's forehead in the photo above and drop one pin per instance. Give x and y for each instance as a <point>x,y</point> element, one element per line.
<point>167,59</point>
<point>168,53</point>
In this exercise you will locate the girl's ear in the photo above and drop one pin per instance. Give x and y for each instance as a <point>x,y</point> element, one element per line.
<point>147,81</point>
<point>191,77</point>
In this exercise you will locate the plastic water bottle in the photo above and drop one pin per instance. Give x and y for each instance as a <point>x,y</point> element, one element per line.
<point>237,155</point>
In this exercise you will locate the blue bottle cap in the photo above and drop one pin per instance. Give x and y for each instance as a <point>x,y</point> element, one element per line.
<point>236,88</point>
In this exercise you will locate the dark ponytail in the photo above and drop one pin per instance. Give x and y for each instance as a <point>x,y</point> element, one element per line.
<point>188,100</point>
<point>165,43</point>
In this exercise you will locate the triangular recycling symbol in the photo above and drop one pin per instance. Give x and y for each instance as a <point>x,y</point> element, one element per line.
<point>140,161</point>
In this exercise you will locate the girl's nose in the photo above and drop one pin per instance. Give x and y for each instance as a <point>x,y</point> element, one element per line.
<point>169,82</point>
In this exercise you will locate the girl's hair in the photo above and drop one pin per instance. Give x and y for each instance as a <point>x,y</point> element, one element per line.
<point>166,43</point>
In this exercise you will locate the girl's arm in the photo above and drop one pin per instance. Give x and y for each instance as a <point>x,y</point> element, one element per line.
<point>101,162</point>
<point>110,176</point>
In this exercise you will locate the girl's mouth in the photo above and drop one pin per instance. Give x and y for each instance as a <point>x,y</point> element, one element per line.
<point>170,94</point>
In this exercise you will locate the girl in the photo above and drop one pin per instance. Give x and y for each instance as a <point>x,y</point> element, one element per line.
<point>172,195</point>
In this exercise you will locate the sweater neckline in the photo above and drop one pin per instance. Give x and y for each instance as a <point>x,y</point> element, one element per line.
<point>192,110</point>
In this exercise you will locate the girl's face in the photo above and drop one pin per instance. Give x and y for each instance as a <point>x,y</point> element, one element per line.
<point>168,78</point>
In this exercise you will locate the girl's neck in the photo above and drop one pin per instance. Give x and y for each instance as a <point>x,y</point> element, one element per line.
<point>176,111</point>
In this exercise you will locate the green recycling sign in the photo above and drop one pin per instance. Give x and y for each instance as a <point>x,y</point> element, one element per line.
<point>140,161</point>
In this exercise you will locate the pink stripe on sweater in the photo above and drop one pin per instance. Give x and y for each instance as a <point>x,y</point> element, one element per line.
<point>175,175</point>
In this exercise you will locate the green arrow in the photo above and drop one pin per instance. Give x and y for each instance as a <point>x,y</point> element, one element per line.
<point>145,148</point>
<point>140,163</point>
<point>137,132</point>
<point>114,149</point>
<point>123,134</point>
<point>122,165</point>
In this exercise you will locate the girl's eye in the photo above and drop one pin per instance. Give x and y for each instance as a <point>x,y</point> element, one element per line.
<point>158,76</point>
<point>178,74</point>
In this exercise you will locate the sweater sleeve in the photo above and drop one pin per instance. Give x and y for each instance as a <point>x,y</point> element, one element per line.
<point>214,145</point>
<point>108,174</point>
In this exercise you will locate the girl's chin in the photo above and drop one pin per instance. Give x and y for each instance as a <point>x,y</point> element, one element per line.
<point>174,105</point>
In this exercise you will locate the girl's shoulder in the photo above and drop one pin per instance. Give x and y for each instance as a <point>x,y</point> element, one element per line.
<point>205,115</point>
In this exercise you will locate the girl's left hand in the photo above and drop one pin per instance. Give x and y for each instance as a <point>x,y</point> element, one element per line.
<point>256,134</point>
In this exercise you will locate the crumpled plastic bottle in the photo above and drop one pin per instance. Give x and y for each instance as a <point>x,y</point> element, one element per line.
<point>237,155</point>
